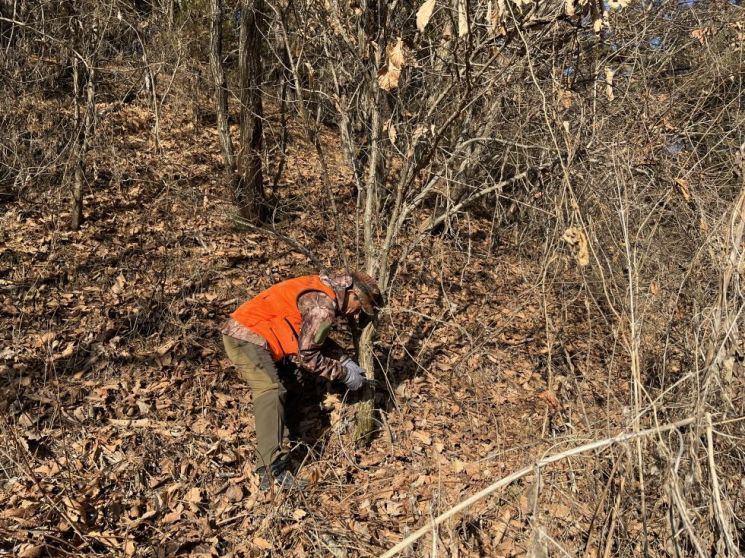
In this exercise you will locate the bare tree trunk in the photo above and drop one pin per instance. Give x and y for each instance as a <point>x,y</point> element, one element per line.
<point>221,93</point>
<point>283,134</point>
<point>365,420</point>
<point>249,193</point>
<point>369,44</point>
<point>7,10</point>
<point>171,12</point>
<point>150,78</point>
<point>86,137</point>
<point>365,423</point>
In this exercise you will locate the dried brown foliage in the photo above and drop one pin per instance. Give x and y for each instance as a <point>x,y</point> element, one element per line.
<point>551,195</point>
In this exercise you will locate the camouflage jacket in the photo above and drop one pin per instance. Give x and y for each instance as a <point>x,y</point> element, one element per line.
<point>318,312</point>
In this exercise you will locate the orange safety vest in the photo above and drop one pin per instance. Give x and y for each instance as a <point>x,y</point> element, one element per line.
<point>274,314</point>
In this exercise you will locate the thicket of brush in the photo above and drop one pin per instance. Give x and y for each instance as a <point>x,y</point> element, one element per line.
<point>605,141</point>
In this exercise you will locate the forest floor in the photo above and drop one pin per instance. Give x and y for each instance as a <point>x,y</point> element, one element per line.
<point>125,431</point>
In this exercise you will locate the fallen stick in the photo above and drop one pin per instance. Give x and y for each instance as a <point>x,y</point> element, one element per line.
<point>597,444</point>
<point>131,423</point>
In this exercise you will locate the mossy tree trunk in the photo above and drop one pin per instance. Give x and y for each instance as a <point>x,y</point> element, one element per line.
<point>365,417</point>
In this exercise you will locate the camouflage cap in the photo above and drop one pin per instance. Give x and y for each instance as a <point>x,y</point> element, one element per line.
<point>368,292</point>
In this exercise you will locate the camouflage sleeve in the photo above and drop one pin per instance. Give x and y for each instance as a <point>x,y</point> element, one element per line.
<point>318,311</point>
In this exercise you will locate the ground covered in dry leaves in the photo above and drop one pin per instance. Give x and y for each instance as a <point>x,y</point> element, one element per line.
<point>124,430</point>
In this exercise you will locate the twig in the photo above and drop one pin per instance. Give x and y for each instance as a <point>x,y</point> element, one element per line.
<point>721,518</point>
<point>601,500</point>
<point>224,522</point>
<point>597,444</point>
<point>44,492</point>
<point>61,43</point>
<point>689,528</point>
<point>613,517</point>
<point>294,244</point>
<point>480,194</point>
<point>131,423</point>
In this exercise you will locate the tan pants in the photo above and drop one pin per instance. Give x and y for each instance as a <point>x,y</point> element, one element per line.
<point>255,366</point>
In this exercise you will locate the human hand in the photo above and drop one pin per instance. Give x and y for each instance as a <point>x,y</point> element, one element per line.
<point>355,374</point>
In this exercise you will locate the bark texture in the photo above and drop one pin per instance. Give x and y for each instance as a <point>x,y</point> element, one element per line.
<point>249,193</point>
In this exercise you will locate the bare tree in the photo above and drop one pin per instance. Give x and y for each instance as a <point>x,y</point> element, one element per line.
<point>84,98</point>
<point>85,127</point>
<point>221,92</point>
<point>249,193</point>
<point>244,169</point>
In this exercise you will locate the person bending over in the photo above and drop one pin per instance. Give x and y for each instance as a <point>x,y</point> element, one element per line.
<point>291,320</point>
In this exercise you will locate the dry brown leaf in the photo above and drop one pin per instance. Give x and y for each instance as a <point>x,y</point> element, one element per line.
<point>550,397</point>
<point>423,437</point>
<point>618,4</point>
<point>28,550</point>
<point>566,98</point>
<point>524,504</point>
<point>506,548</point>
<point>262,543</point>
<point>683,188</point>
<point>495,12</point>
<point>472,469</point>
<point>423,14</point>
<point>67,351</point>
<point>701,35</point>
<point>118,286</point>
<point>392,133</point>
<point>388,79</point>
<point>560,511</point>
<point>194,496</point>
<point>43,339</point>
<point>574,236</point>
<point>234,493</point>
<point>20,513</point>
<point>298,514</point>
<point>25,420</point>
<point>609,73</point>
<point>175,515</point>
<point>165,347</point>
<point>463,26</point>
<point>504,522</point>
<point>49,469</point>
<point>396,53</point>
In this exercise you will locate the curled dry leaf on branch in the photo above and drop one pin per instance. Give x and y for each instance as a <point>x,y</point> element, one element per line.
<point>389,77</point>
<point>576,237</point>
<point>462,18</point>
<point>618,4</point>
<point>702,34</point>
<point>391,129</point>
<point>495,12</point>
<point>683,188</point>
<point>597,24</point>
<point>423,15</point>
<point>609,73</point>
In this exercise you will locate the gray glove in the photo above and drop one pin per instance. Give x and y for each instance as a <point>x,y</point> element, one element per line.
<point>355,374</point>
